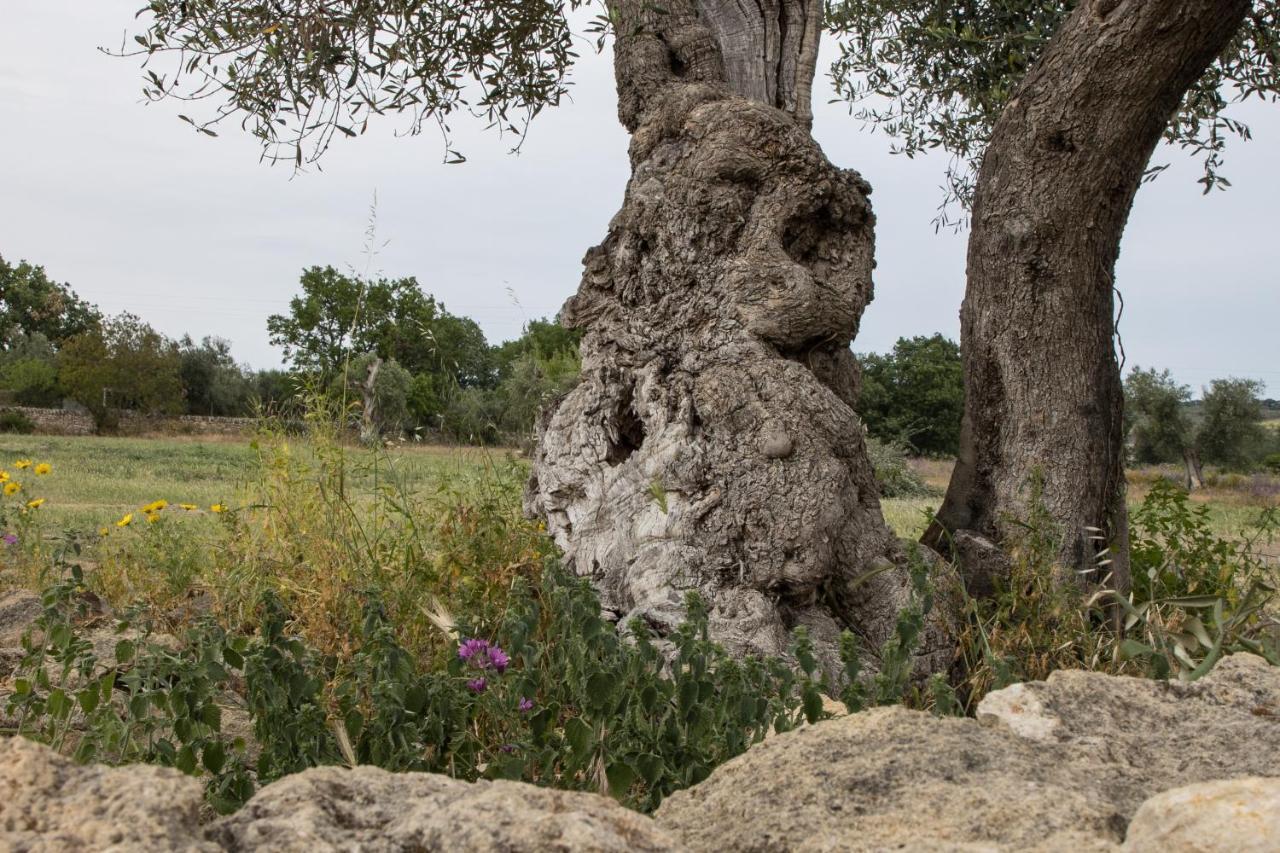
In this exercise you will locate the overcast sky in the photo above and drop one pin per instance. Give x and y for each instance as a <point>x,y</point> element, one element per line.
<point>137,212</point>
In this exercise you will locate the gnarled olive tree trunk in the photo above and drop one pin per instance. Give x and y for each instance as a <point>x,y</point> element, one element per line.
<point>1043,387</point>
<point>712,445</point>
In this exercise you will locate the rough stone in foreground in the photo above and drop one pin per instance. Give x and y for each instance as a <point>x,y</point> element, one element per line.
<point>1081,755</point>
<point>49,803</point>
<point>1232,816</point>
<point>373,811</point>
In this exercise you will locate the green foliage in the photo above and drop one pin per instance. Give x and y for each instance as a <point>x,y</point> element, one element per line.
<point>541,339</point>
<point>506,414</point>
<point>121,364</point>
<point>1154,416</point>
<point>914,396</point>
<point>144,701</point>
<point>947,70</point>
<point>1230,434</point>
<point>1272,463</point>
<point>896,477</point>
<point>298,75</point>
<point>894,683</point>
<point>391,390</point>
<point>16,422</point>
<point>577,706</point>
<point>34,382</point>
<point>212,382</point>
<point>1195,596</point>
<point>337,315</point>
<point>32,304</point>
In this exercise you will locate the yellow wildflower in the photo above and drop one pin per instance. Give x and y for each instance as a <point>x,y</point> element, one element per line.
<point>153,517</point>
<point>22,463</point>
<point>43,468</point>
<point>4,476</point>
<point>188,507</point>
<point>218,508</point>
<point>155,506</point>
<point>126,521</point>
<point>104,531</point>
<point>36,504</point>
<point>12,488</point>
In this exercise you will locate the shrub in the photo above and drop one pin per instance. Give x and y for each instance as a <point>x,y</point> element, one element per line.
<point>1272,463</point>
<point>893,471</point>
<point>13,421</point>
<point>1195,596</point>
<point>554,695</point>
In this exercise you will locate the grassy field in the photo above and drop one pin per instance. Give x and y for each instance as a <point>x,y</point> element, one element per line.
<point>1235,501</point>
<point>95,481</point>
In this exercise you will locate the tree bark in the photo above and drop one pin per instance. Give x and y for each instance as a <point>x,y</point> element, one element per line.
<point>712,444</point>
<point>1043,387</point>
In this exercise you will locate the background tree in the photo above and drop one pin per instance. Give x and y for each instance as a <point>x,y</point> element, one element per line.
<point>212,382</point>
<point>29,370</point>
<point>939,74</point>
<point>32,304</point>
<point>338,315</point>
<point>541,338</point>
<point>121,364</point>
<point>914,395</point>
<point>1156,419</point>
<point>390,393</point>
<point>1230,433</point>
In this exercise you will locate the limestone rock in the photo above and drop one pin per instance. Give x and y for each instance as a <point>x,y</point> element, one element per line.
<point>49,803</point>
<point>1233,816</point>
<point>1057,765</point>
<point>373,811</point>
<point>1225,725</point>
<point>890,778</point>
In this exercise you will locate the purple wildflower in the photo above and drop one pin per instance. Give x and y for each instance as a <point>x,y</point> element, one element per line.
<point>508,747</point>
<point>526,705</point>
<point>477,685</point>
<point>470,649</point>
<point>499,659</point>
<point>10,539</point>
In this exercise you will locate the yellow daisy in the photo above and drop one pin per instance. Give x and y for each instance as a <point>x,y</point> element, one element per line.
<point>4,476</point>
<point>104,531</point>
<point>188,507</point>
<point>155,506</point>
<point>126,521</point>
<point>153,517</point>
<point>43,468</point>
<point>218,508</point>
<point>36,504</point>
<point>12,488</point>
<point>22,463</point>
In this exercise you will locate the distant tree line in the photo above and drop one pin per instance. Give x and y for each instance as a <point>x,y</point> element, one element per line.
<point>437,375</point>
<point>436,372</point>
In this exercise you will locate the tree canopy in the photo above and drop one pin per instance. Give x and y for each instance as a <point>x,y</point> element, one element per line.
<point>929,73</point>
<point>296,73</point>
<point>1155,416</point>
<point>339,315</point>
<point>122,363</point>
<point>33,304</point>
<point>914,395</point>
<point>937,74</point>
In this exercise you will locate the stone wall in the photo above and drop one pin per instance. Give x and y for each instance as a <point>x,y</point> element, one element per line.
<point>72,422</point>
